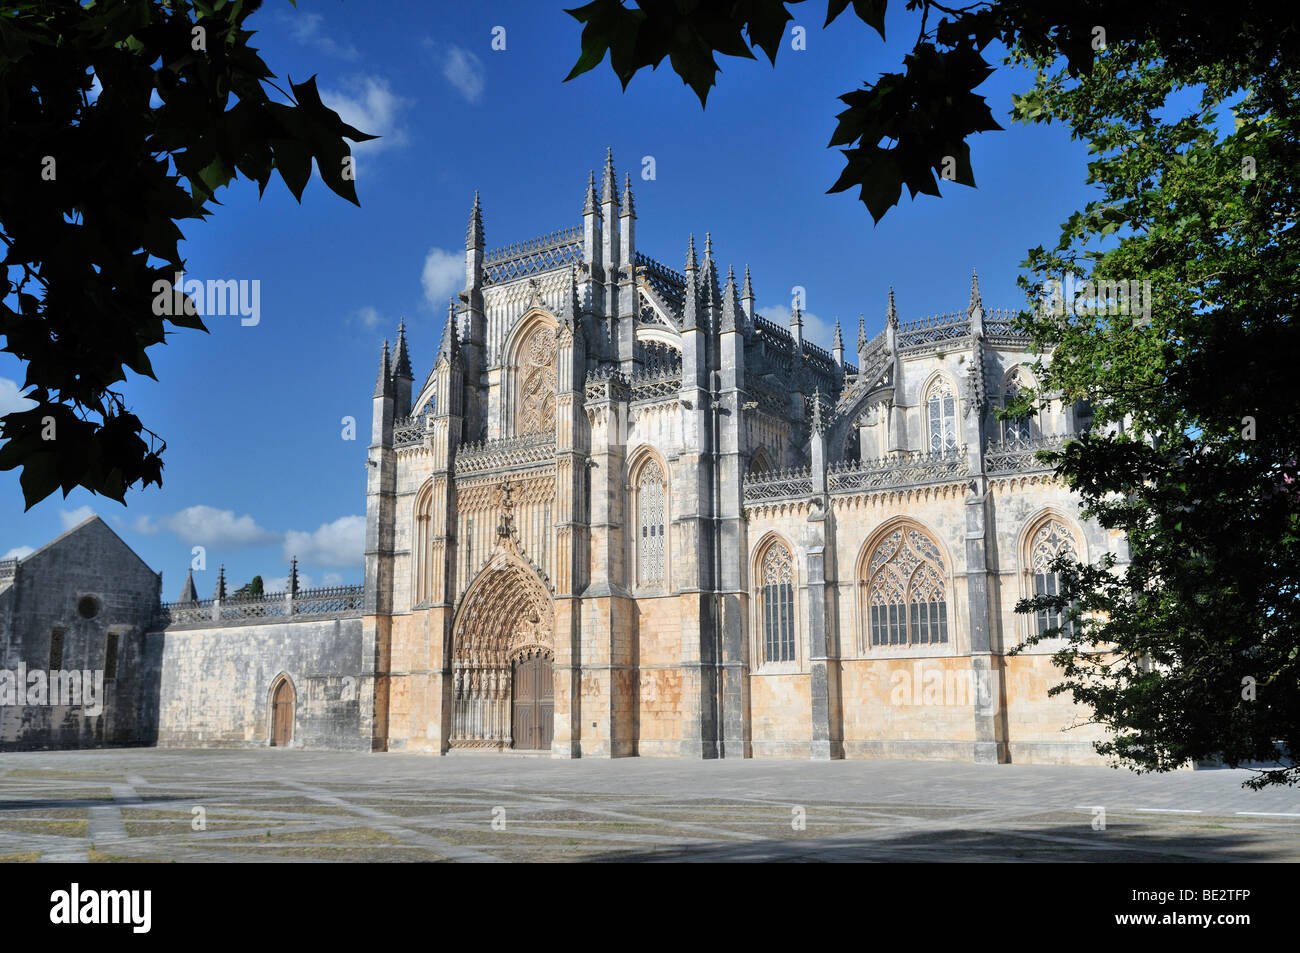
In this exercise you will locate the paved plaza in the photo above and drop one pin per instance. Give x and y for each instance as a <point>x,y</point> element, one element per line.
<point>270,805</point>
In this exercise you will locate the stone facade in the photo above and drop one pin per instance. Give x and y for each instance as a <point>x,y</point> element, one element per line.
<point>721,539</point>
<point>626,515</point>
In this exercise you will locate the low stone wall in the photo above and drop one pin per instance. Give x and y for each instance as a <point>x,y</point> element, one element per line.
<point>215,684</point>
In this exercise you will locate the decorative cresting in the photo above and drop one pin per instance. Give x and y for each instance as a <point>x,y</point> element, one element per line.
<point>506,615</point>
<point>536,408</point>
<point>905,593</point>
<point>1050,541</point>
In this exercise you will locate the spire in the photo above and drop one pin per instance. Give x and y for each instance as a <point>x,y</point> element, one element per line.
<point>589,206</point>
<point>729,310</point>
<point>628,209</point>
<point>690,295</point>
<point>188,592</point>
<point>293,576</point>
<point>748,290</point>
<point>384,386</point>
<point>221,583</point>
<point>449,349</point>
<point>891,315</point>
<point>862,334</point>
<point>839,338</point>
<point>975,301</point>
<point>474,234</point>
<point>571,308</point>
<point>709,276</point>
<point>401,360</point>
<point>818,426</point>
<point>608,191</point>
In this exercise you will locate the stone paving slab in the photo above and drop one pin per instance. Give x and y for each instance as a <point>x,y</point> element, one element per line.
<point>295,806</point>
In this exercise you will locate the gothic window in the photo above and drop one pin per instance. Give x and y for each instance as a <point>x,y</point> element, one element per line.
<point>905,591</point>
<point>942,410</point>
<point>776,604</point>
<point>760,463</point>
<point>1021,428</point>
<point>421,555</point>
<point>536,407</point>
<point>650,524</point>
<point>1050,541</point>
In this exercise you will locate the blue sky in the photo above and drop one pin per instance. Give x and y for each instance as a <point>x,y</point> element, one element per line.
<point>256,467</point>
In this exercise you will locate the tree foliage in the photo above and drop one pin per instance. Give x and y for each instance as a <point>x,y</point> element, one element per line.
<point>92,188</point>
<point>1191,649</point>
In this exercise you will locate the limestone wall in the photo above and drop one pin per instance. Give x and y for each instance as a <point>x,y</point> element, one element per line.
<point>215,684</point>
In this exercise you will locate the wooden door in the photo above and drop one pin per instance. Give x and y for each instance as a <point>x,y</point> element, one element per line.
<point>534,706</point>
<point>282,715</point>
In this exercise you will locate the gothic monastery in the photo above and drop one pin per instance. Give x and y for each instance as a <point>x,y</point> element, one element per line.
<point>624,514</point>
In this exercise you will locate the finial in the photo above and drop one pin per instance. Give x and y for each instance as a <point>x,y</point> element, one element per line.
<point>221,583</point>
<point>708,248</point>
<point>862,333</point>
<point>839,338</point>
<point>293,576</point>
<point>384,386</point>
<point>891,315</point>
<point>474,234</point>
<point>729,309</point>
<point>691,263</point>
<point>817,411</point>
<point>975,301</point>
<point>401,360</point>
<point>608,186</point>
<point>589,204</point>
<point>628,208</point>
<point>748,290</point>
<point>188,592</point>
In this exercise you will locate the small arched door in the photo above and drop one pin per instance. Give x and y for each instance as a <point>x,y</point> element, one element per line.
<point>282,702</point>
<point>534,714</point>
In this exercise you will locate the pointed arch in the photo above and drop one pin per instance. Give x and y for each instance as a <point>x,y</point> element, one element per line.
<point>939,407</point>
<point>650,496</point>
<point>421,539</point>
<point>1017,379</point>
<point>282,706</point>
<point>529,359</point>
<point>775,576</point>
<point>904,581</point>
<point>506,614</point>
<point>1049,533</point>
<point>760,462</point>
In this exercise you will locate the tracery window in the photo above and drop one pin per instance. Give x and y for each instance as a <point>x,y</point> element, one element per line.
<point>1050,541</point>
<point>536,408</point>
<point>905,591</point>
<point>1021,428</point>
<point>650,524</point>
<point>776,603</point>
<point>942,412</point>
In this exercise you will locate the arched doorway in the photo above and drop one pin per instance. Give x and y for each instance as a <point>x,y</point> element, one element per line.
<point>504,632</point>
<point>282,705</point>
<point>534,701</point>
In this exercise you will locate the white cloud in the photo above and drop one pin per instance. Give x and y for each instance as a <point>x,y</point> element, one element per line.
<point>10,400</point>
<point>369,317</point>
<point>443,276</point>
<point>306,29</point>
<point>18,552</point>
<point>71,518</point>
<point>464,70</point>
<point>368,104</point>
<point>339,544</point>
<point>208,526</point>
<point>815,329</point>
